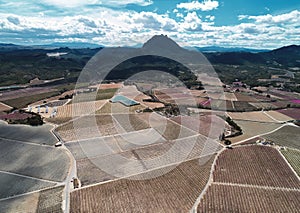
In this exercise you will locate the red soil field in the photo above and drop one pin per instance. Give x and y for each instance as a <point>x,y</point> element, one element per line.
<point>225,198</point>
<point>244,97</point>
<point>255,165</point>
<point>292,112</point>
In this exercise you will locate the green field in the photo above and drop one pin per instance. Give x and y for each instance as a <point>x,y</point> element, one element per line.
<point>293,157</point>
<point>26,100</point>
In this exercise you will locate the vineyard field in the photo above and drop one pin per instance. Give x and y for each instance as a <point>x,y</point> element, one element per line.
<point>254,165</point>
<point>293,157</point>
<point>225,198</point>
<point>286,136</point>
<point>187,180</point>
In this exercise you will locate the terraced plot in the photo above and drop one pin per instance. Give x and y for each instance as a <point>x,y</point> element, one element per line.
<point>38,135</point>
<point>227,198</point>
<point>187,180</point>
<point>286,136</point>
<point>254,165</point>
<point>293,157</point>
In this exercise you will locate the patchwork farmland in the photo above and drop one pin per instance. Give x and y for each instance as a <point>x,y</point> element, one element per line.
<point>257,181</point>
<point>140,159</point>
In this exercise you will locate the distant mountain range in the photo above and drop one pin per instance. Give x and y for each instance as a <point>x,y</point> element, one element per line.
<point>83,45</point>
<point>71,45</point>
<point>19,64</point>
<point>229,49</point>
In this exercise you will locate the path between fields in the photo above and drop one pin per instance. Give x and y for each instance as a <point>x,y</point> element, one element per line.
<point>257,186</point>
<point>210,181</point>
<point>30,177</point>
<point>29,143</point>
<point>32,192</point>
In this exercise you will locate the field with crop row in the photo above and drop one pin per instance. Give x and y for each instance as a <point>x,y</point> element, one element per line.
<point>39,134</point>
<point>130,122</point>
<point>50,200</point>
<point>263,105</point>
<point>292,112</point>
<point>225,198</point>
<point>254,165</point>
<point>243,106</point>
<point>116,154</point>
<point>44,201</point>
<point>11,185</point>
<point>26,92</point>
<point>79,109</point>
<point>293,157</point>
<point>244,97</point>
<point>286,136</point>
<point>250,116</point>
<point>101,125</point>
<point>278,116</point>
<point>252,128</point>
<point>187,180</point>
<point>36,161</point>
<point>24,101</point>
<point>209,125</point>
<point>118,108</point>
<point>4,107</point>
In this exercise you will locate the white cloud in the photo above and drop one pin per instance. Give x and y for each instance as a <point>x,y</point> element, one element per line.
<point>118,28</point>
<point>192,22</point>
<point>286,18</point>
<point>206,5</point>
<point>78,3</point>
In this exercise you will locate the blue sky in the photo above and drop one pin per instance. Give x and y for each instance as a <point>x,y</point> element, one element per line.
<point>228,23</point>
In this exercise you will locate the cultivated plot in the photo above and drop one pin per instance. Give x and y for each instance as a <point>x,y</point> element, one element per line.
<point>35,161</point>
<point>11,185</point>
<point>105,156</point>
<point>227,198</point>
<point>254,165</point>
<point>79,109</point>
<point>46,200</point>
<point>186,180</point>
<point>38,135</point>
<point>278,116</point>
<point>253,128</point>
<point>4,107</point>
<point>118,108</point>
<point>293,157</point>
<point>286,136</point>
<point>291,112</point>
<point>210,126</point>
<point>251,116</point>
<point>89,127</point>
